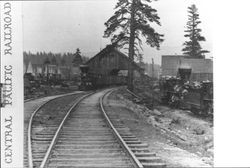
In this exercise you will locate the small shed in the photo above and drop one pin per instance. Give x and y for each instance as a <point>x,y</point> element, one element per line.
<point>110,61</point>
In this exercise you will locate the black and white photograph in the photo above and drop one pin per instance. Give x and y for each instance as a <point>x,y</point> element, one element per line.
<point>119,83</point>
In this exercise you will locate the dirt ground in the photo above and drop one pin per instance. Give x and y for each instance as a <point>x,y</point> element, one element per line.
<point>177,136</point>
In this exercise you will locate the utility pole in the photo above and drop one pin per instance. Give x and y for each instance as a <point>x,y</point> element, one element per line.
<point>153,70</point>
<point>101,44</point>
<point>152,84</point>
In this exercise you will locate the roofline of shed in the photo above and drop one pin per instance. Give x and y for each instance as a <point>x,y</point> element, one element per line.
<point>110,47</point>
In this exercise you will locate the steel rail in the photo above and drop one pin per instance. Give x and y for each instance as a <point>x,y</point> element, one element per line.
<point>28,100</point>
<point>35,98</point>
<point>118,136</point>
<point>46,157</point>
<point>30,158</point>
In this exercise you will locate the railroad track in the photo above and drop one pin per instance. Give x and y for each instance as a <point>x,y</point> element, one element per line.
<point>41,116</point>
<point>34,107</point>
<point>139,149</point>
<point>85,137</point>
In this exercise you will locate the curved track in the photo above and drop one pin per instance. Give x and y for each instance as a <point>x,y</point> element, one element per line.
<point>35,110</point>
<point>84,138</point>
<point>85,135</point>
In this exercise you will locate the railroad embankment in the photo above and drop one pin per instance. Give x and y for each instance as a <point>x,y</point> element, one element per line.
<point>180,138</point>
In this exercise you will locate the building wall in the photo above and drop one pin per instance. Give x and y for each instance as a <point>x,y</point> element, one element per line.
<point>201,77</point>
<point>198,65</point>
<point>202,69</point>
<point>104,64</point>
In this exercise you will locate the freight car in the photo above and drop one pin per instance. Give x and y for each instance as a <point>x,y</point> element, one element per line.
<point>178,92</point>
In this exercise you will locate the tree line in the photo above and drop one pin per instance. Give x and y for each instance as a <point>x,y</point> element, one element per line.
<point>60,59</point>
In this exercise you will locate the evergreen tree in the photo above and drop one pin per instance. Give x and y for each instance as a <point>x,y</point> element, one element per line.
<point>63,59</point>
<point>77,59</point>
<point>129,23</point>
<point>192,46</point>
<point>53,61</point>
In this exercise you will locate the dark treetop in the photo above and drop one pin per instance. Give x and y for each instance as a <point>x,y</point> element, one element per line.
<point>192,46</point>
<point>131,20</point>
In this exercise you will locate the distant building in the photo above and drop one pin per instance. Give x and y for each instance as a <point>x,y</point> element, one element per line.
<point>30,69</point>
<point>65,72</point>
<point>40,69</point>
<point>52,69</point>
<point>202,69</point>
<point>43,65</point>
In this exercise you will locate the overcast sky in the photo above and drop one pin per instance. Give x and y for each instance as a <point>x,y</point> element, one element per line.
<point>63,26</point>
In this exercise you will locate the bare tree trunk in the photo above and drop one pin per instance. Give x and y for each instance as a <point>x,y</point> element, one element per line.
<point>131,48</point>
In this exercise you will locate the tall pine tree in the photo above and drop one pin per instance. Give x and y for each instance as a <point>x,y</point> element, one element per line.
<point>77,58</point>
<point>192,46</point>
<point>129,23</point>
